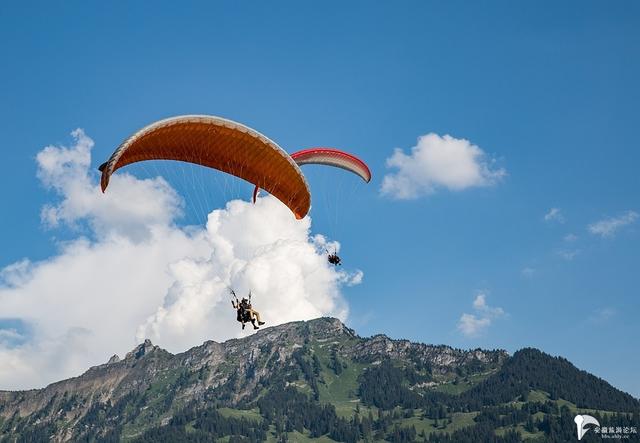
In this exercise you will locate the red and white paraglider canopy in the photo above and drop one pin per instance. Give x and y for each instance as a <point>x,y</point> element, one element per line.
<point>329,157</point>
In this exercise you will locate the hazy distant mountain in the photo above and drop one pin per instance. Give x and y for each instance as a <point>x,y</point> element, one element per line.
<point>318,380</point>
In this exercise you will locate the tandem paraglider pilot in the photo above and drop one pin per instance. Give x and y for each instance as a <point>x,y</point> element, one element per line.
<point>245,311</point>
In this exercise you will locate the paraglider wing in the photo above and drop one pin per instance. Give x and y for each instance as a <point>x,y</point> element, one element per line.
<point>333,157</point>
<point>329,157</point>
<point>220,144</point>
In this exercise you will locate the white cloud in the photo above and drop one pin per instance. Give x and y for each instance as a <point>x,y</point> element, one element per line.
<point>439,162</point>
<point>16,273</point>
<point>569,238</point>
<point>554,215</point>
<point>279,262</point>
<point>134,274</point>
<point>130,207</point>
<point>351,278</point>
<point>480,305</point>
<point>473,325</point>
<point>608,226</point>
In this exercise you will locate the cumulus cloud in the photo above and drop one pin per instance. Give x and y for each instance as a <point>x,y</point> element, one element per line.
<point>261,248</point>
<point>473,325</point>
<point>480,305</point>
<point>608,226</point>
<point>131,273</point>
<point>439,162</point>
<point>554,215</point>
<point>131,207</point>
<point>16,273</point>
<point>569,238</point>
<point>351,278</point>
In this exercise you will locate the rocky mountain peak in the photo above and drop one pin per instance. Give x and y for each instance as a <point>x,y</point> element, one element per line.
<point>140,351</point>
<point>329,327</point>
<point>292,366</point>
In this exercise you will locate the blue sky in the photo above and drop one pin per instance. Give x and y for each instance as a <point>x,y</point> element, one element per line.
<point>547,91</point>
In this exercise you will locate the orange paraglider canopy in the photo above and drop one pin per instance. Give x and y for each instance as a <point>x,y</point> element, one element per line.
<point>220,144</point>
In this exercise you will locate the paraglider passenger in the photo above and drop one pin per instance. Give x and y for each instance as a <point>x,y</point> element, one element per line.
<point>253,314</point>
<point>245,312</point>
<point>334,259</point>
<point>241,315</point>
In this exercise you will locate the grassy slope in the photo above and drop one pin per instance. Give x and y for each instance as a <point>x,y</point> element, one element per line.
<point>341,391</point>
<point>449,387</point>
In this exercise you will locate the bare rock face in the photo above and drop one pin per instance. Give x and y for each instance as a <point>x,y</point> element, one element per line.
<point>141,350</point>
<point>227,373</point>
<point>442,359</point>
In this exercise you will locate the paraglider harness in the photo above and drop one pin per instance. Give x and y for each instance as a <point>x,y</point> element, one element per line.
<point>243,314</point>
<point>333,258</point>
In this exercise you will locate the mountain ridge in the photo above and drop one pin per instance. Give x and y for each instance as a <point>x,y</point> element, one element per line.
<point>322,359</point>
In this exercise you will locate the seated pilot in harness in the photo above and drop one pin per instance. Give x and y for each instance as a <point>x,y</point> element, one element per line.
<point>245,311</point>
